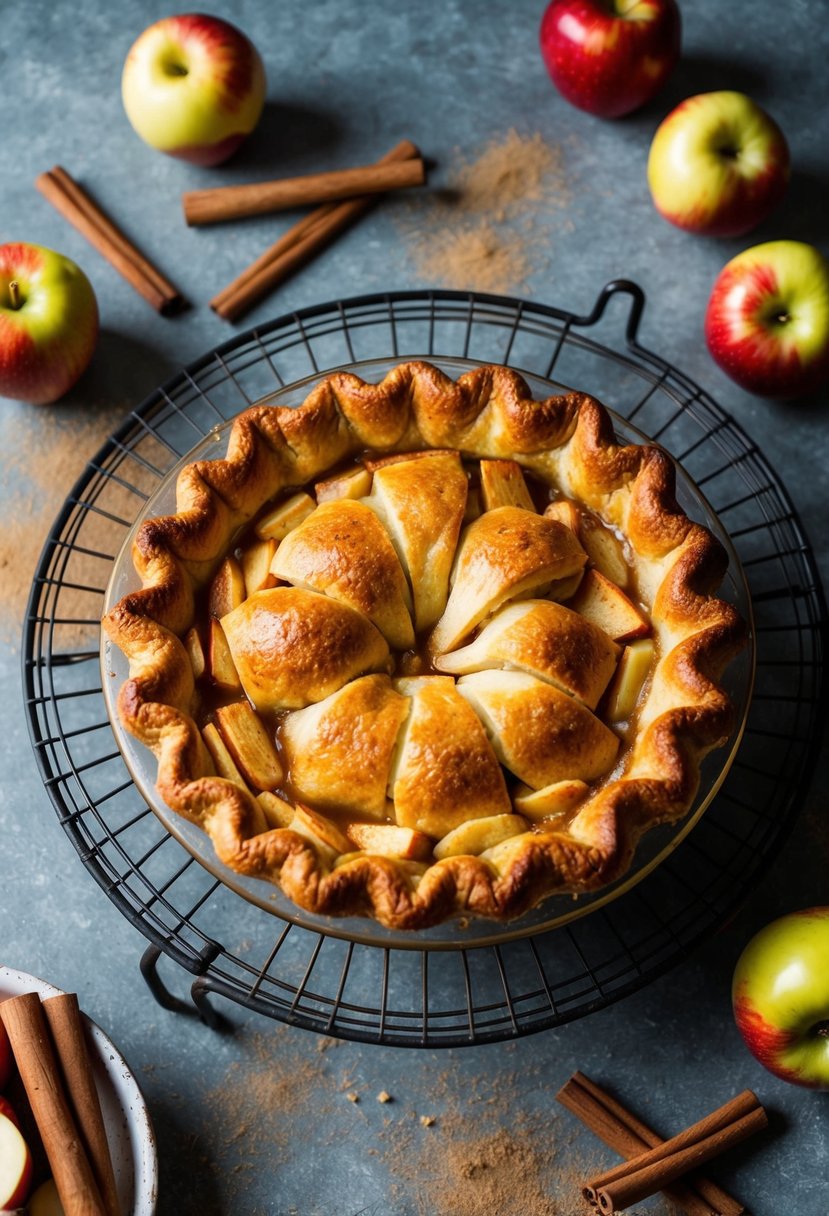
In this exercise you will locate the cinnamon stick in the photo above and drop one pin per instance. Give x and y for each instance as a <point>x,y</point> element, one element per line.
<point>287,241</point>
<point>64,1019</point>
<point>29,1037</point>
<point>650,1178</point>
<point>214,206</point>
<point>76,206</point>
<point>743,1104</point>
<point>297,245</point>
<point>622,1131</point>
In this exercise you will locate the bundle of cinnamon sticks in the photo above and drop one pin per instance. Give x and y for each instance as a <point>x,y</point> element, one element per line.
<point>49,1046</point>
<point>652,1164</point>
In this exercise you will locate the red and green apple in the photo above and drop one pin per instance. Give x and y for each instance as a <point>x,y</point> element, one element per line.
<point>767,320</point>
<point>781,997</point>
<point>48,325</point>
<point>15,1166</point>
<point>610,56</point>
<point>193,86</point>
<point>718,164</point>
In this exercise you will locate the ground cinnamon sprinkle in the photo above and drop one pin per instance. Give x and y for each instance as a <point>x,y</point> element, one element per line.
<point>45,451</point>
<point>456,1141</point>
<point>491,228</point>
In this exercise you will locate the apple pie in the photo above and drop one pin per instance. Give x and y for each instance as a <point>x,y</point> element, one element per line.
<point>427,648</point>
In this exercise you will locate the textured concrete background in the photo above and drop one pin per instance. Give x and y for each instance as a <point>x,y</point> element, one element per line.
<point>346,81</point>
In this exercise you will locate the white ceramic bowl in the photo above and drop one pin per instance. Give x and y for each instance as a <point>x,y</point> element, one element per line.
<point>129,1131</point>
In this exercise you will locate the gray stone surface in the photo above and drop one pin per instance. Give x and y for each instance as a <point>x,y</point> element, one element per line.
<point>346,80</point>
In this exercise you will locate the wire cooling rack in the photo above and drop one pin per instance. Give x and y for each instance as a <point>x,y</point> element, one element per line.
<point>417,997</point>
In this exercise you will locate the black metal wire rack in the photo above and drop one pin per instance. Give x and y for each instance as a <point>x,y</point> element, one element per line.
<point>373,993</point>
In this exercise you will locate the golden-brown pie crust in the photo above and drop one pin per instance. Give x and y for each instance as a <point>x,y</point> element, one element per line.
<point>488,412</point>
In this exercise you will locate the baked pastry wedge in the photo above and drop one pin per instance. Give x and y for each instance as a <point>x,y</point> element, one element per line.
<point>427,648</point>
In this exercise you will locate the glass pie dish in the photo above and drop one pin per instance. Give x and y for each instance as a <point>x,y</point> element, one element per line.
<point>655,845</point>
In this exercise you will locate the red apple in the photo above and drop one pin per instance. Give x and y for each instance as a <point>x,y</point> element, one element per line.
<point>767,321</point>
<point>718,164</point>
<point>781,997</point>
<point>193,86</point>
<point>15,1166</point>
<point>610,56</point>
<point>48,323</point>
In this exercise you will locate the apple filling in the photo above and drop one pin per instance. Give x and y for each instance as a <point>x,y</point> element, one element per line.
<point>424,658</point>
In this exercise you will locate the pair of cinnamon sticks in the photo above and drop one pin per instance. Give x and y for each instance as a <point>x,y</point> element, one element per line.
<point>653,1164</point>
<point>49,1046</point>
<point>311,234</point>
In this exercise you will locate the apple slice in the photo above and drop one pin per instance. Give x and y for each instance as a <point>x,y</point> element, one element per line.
<point>503,485</point>
<point>277,811</point>
<point>256,565</point>
<point>195,652</point>
<point>320,831</point>
<point>604,550</point>
<point>387,840</point>
<point>347,485</point>
<point>633,669</point>
<point>222,759</point>
<point>15,1165</point>
<point>560,798</point>
<point>476,835</point>
<point>222,668</point>
<point>250,745</point>
<point>283,519</point>
<point>604,604</point>
<point>227,591</point>
<point>566,512</point>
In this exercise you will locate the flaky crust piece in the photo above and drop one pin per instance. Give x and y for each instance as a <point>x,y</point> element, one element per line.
<point>488,412</point>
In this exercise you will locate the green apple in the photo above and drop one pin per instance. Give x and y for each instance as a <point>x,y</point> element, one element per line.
<point>767,320</point>
<point>781,997</point>
<point>718,164</point>
<point>193,86</point>
<point>48,323</point>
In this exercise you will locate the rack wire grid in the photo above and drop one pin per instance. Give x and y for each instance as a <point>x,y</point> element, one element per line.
<point>418,997</point>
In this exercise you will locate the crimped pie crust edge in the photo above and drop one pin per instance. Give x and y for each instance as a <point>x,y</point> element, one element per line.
<point>487,413</point>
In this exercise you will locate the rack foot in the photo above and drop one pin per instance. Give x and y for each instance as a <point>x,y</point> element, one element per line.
<point>198,1006</point>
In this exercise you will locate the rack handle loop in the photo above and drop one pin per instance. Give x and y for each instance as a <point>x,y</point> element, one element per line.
<point>617,287</point>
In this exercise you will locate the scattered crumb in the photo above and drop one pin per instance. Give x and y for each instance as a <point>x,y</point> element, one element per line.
<point>352,1097</point>
<point>427,1120</point>
<point>384,1097</point>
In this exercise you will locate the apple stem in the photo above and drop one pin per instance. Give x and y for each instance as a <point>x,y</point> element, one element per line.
<point>14,293</point>
<point>822,1030</point>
